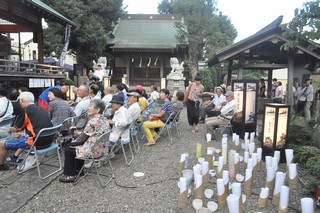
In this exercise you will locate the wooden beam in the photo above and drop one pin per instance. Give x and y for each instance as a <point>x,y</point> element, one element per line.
<point>260,66</point>
<point>14,28</point>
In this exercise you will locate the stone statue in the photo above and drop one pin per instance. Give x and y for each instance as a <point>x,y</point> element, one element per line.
<point>176,67</point>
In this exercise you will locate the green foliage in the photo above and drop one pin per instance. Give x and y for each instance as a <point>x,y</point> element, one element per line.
<point>313,164</point>
<point>300,135</point>
<point>94,19</point>
<point>304,26</point>
<point>208,78</point>
<point>304,153</point>
<point>202,28</point>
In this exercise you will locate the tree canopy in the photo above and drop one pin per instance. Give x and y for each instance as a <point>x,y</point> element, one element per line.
<point>94,19</point>
<point>204,28</point>
<point>304,26</point>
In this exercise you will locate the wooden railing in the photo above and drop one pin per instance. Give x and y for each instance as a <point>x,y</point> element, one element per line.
<point>9,66</point>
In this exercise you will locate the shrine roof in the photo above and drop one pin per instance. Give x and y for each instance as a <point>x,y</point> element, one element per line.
<point>145,31</point>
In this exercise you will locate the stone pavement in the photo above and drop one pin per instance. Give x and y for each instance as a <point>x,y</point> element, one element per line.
<point>156,191</point>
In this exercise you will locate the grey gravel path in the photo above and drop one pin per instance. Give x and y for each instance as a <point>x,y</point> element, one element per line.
<point>157,191</point>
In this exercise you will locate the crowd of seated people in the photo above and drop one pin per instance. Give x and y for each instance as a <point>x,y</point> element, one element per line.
<point>127,106</point>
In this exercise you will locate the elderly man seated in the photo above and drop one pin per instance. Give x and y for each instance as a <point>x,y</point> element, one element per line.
<point>32,119</point>
<point>83,105</point>
<point>212,107</point>
<point>119,122</point>
<point>227,111</point>
<point>134,108</point>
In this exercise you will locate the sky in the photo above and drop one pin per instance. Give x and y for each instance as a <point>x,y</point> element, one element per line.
<point>247,16</point>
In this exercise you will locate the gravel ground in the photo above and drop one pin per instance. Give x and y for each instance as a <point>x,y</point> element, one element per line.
<point>157,191</point>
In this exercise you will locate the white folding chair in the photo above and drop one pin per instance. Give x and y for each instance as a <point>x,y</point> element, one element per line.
<point>99,163</point>
<point>223,127</point>
<point>51,133</point>
<point>176,122</point>
<point>134,134</point>
<point>168,126</point>
<point>122,143</point>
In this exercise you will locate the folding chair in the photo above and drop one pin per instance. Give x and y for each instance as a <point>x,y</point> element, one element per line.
<point>223,127</point>
<point>98,162</point>
<point>176,122</point>
<point>45,132</point>
<point>122,143</point>
<point>168,126</point>
<point>64,133</point>
<point>135,136</point>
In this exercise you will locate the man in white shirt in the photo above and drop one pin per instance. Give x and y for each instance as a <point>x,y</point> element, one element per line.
<point>213,107</point>
<point>99,72</point>
<point>134,108</point>
<point>83,105</point>
<point>154,95</point>
<point>6,108</point>
<point>227,112</point>
<point>107,96</point>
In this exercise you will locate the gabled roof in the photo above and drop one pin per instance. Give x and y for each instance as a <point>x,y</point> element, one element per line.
<point>265,44</point>
<point>147,31</point>
<point>51,11</point>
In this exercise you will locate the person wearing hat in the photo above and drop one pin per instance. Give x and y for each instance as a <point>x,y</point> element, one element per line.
<point>58,109</point>
<point>134,108</point>
<point>119,122</point>
<point>227,110</point>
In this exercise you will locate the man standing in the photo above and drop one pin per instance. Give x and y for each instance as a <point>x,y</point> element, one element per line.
<point>99,72</point>
<point>227,112</point>
<point>308,93</point>
<point>32,119</point>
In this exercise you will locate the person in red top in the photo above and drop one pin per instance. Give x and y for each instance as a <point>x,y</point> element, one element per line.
<point>31,119</point>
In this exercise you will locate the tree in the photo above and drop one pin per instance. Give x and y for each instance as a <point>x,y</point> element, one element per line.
<point>304,26</point>
<point>94,19</point>
<point>202,28</point>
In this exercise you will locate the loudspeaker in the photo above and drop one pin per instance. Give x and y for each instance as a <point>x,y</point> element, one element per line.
<point>78,69</point>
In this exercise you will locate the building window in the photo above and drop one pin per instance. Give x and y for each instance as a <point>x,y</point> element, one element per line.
<point>34,55</point>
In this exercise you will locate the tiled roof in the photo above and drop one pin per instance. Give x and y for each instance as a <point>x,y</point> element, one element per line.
<point>145,32</point>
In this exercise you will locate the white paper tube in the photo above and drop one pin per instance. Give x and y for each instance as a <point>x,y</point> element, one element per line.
<point>233,203</point>
<point>307,205</point>
<point>259,153</point>
<point>183,184</point>
<point>264,193</point>
<point>225,136</point>
<point>208,136</point>
<point>182,158</point>
<point>225,177</point>
<point>246,156</point>
<point>251,148</point>
<point>220,187</point>
<point>196,170</point>
<point>234,137</point>
<point>276,154</point>
<point>209,152</point>
<point>248,174</point>
<point>252,134</point>
<point>237,140</point>
<point>254,158</point>
<point>198,181</point>
<point>250,163</point>
<point>292,170</point>
<point>289,155</point>
<point>224,150</point>
<point>246,135</point>
<point>270,173</point>
<point>275,163</point>
<point>236,189</point>
<point>205,168</point>
<point>280,177</point>
<point>268,160</point>
<point>284,197</point>
<point>246,142</point>
<point>236,158</point>
<point>220,163</point>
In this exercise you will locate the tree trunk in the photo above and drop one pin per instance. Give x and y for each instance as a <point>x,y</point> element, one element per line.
<point>193,61</point>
